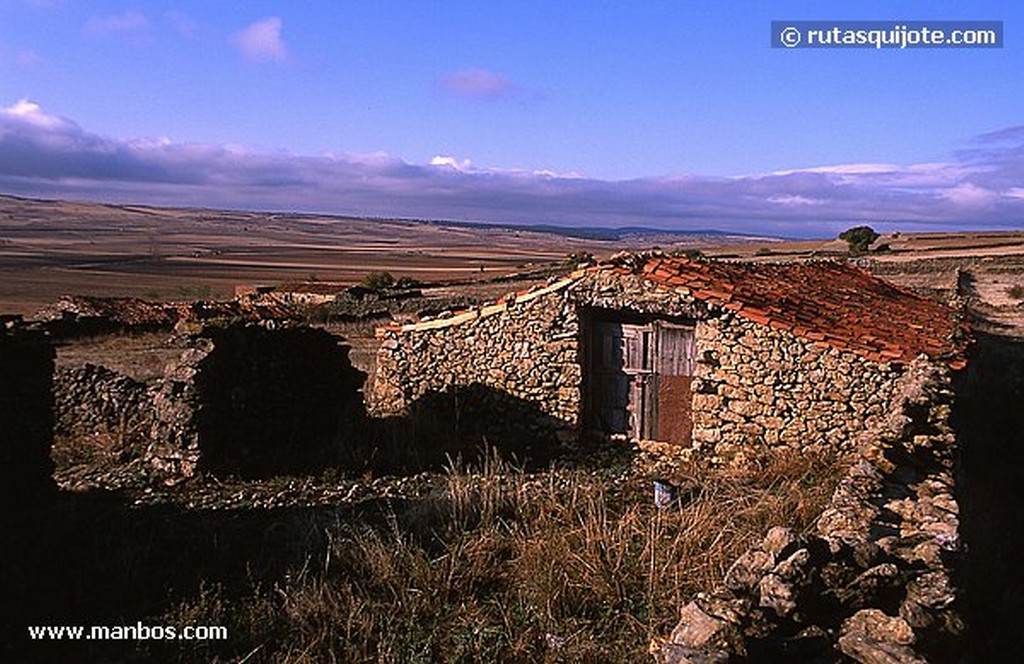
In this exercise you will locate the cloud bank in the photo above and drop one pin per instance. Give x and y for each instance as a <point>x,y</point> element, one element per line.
<point>979,187</point>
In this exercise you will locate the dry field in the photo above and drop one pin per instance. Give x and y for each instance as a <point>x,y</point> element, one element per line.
<point>52,248</point>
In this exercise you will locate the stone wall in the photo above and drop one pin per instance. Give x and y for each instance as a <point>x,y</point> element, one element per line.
<point>26,416</point>
<point>875,581</point>
<point>755,384</point>
<point>254,401</point>
<point>92,399</point>
<point>245,399</point>
<point>527,349</point>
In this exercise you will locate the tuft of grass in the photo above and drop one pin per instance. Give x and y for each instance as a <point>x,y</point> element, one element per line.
<point>501,564</point>
<point>1016,292</point>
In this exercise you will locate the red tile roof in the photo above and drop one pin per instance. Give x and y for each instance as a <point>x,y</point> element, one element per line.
<point>828,302</point>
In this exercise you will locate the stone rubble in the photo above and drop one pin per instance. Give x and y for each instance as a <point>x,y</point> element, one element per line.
<point>874,581</point>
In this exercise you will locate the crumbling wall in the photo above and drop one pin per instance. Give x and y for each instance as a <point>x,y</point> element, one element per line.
<point>92,399</point>
<point>254,401</point>
<point>26,416</point>
<point>875,581</point>
<point>251,399</point>
<point>174,434</point>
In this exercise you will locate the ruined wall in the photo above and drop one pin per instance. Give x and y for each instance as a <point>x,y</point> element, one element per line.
<point>877,580</point>
<point>755,384</point>
<point>256,402</point>
<point>245,399</point>
<point>26,416</point>
<point>91,399</point>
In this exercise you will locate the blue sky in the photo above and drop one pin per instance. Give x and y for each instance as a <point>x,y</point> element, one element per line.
<point>664,114</point>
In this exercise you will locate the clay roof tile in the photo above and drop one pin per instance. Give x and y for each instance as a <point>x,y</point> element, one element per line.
<point>829,302</point>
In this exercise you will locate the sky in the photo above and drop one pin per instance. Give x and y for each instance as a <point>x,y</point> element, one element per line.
<point>665,114</point>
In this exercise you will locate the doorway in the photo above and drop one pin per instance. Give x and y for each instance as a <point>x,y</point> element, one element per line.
<point>640,375</point>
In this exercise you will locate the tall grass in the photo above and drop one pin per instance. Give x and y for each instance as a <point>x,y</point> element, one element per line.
<point>507,565</point>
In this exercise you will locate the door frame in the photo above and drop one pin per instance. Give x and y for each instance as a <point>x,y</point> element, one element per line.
<point>649,376</point>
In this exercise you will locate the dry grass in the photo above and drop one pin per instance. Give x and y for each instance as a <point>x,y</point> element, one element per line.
<point>505,565</point>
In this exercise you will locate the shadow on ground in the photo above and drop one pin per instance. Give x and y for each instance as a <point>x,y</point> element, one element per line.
<point>989,419</point>
<point>95,558</point>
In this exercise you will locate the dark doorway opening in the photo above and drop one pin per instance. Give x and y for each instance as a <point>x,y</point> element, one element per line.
<point>639,377</point>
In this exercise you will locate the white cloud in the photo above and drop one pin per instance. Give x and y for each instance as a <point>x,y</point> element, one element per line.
<point>451,162</point>
<point>846,169</point>
<point>261,41</point>
<point>968,195</point>
<point>792,200</point>
<point>30,113</point>
<point>567,175</point>
<point>129,23</point>
<point>477,84</point>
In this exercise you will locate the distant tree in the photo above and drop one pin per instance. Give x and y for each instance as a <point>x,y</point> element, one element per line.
<point>407,282</point>
<point>691,254</point>
<point>580,258</point>
<point>859,238</point>
<point>378,281</point>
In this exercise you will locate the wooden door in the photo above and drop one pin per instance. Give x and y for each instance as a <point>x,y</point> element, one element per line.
<point>621,368</point>
<point>674,369</point>
<point>641,380</point>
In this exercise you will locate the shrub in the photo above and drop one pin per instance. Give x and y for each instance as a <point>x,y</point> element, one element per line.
<point>1016,292</point>
<point>580,259</point>
<point>407,282</point>
<point>691,254</point>
<point>378,281</point>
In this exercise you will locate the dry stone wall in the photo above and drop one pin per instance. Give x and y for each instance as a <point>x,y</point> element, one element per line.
<point>756,385</point>
<point>527,349</point>
<point>247,399</point>
<point>254,401</point>
<point>876,580</point>
<point>92,399</point>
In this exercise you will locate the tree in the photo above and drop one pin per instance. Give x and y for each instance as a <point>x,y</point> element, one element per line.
<point>378,281</point>
<point>859,238</point>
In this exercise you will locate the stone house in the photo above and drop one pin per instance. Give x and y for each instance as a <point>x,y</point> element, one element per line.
<point>712,355</point>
